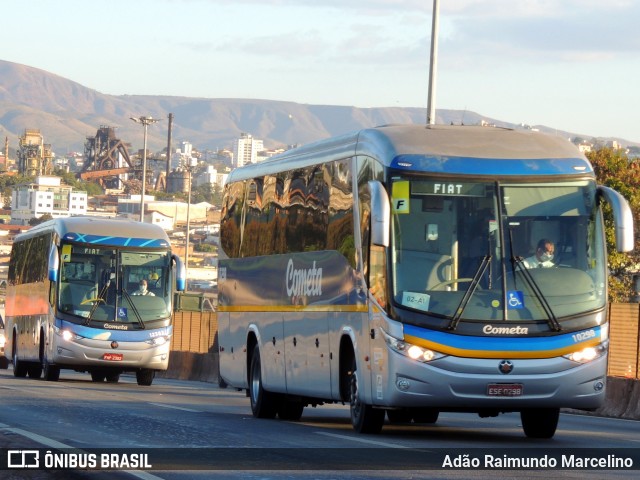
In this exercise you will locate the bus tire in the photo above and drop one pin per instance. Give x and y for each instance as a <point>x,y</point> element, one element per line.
<point>50,373</point>
<point>145,376</point>
<point>290,409</point>
<point>97,376</point>
<point>399,416</point>
<point>540,422</point>
<point>364,418</point>
<point>426,415</point>
<point>4,362</point>
<point>34,370</point>
<point>263,404</point>
<point>19,368</point>
<point>112,377</point>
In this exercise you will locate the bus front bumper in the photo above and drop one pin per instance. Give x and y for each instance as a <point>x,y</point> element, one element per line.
<point>476,384</point>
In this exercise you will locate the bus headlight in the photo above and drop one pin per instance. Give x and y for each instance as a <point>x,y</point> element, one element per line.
<point>414,352</point>
<point>67,335</point>
<point>2,340</point>
<point>157,341</point>
<point>587,354</point>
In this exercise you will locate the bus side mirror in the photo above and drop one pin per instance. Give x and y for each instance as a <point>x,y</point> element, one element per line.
<point>380,214</point>
<point>54,264</point>
<point>622,218</point>
<point>181,273</point>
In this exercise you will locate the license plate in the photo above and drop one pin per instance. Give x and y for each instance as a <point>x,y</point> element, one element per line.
<point>504,389</point>
<point>112,357</point>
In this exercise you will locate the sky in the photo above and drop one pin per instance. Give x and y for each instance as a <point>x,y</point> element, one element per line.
<point>568,64</point>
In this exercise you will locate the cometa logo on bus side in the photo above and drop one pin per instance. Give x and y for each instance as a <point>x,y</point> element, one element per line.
<point>303,281</point>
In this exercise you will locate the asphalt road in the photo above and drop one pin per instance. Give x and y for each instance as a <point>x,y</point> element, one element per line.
<point>197,430</point>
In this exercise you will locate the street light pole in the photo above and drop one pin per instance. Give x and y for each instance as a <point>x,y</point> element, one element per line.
<point>186,251</point>
<point>433,64</point>
<point>145,121</point>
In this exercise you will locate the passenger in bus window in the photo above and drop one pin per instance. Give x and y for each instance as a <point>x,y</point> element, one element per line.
<point>154,280</point>
<point>142,290</point>
<point>543,256</point>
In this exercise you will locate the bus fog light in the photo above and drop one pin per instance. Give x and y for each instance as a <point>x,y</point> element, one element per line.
<point>403,384</point>
<point>598,386</point>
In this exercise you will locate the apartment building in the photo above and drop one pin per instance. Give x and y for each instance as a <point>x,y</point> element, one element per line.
<point>46,195</point>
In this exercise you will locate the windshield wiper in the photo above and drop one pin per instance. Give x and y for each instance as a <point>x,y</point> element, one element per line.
<point>518,261</point>
<point>133,307</point>
<point>473,286</point>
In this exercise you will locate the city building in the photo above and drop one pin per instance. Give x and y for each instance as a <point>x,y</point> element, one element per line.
<point>46,195</point>
<point>211,175</point>
<point>169,215</point>
<point>245,150</point>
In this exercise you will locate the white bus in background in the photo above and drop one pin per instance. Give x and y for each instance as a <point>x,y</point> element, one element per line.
<point>386,269</point>
<point>72,302</point>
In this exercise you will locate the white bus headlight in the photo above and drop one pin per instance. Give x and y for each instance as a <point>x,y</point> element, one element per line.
<point>587,354</point>
<point>414,352</point>
<point>67,335</point>
<point>2,340</point>
<point>157,341</point>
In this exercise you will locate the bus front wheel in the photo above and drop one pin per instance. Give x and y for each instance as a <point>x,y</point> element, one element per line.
<point>364,418</point>
<point>540,422</point>
<point>144,376</point>
<point>51,373</point>
<point>263,403</point>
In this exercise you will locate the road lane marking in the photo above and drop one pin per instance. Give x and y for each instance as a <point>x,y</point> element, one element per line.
<point>364,440</point>
<point>164,405</point>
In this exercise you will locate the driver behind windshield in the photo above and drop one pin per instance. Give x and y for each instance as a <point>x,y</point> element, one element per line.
<point>543,256</point>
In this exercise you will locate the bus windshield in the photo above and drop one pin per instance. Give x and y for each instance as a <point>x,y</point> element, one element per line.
<point>107,284</point>
<point>470,250</point>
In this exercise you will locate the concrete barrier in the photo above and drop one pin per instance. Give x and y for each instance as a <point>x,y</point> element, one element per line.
<point>622,399</point>
<point>201,367</point>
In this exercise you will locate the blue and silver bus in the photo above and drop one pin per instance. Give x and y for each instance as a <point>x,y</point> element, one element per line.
<point>390,269</point>
<point>73,299</point>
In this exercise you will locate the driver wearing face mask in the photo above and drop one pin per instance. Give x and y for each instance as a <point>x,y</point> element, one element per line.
<point>142,290</point>
<point>543,256</point>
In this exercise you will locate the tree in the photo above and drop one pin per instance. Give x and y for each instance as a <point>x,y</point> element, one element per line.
<point>614,169</point>
<point>38,221</point>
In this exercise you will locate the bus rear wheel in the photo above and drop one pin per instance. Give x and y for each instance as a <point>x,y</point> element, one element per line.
<point>263,404</point>
<point>540,422</point>
<point>19,368</point>
<point>364,418</point>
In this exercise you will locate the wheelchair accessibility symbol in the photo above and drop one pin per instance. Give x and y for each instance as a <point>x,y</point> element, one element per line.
<point>122,313</point>
<point>515,299</point>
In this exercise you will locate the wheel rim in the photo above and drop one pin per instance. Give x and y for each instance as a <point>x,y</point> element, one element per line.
<point>255,381</point>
